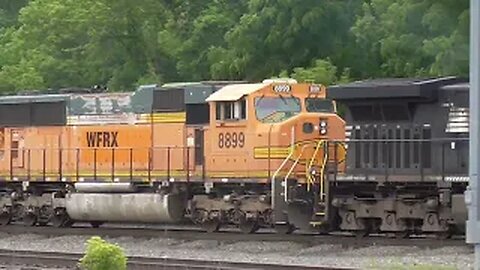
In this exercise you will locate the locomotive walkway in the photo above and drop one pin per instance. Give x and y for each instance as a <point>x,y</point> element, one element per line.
<point>70,260</point>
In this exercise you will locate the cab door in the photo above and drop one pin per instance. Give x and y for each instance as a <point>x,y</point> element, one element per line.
<point>16,148</point>
<point>227,137</point>
<point>199,146</point>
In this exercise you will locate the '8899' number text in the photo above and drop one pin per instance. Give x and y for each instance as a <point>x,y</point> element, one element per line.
<point>231,140</point>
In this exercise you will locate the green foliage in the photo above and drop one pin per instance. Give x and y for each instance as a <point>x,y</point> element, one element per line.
<point>412,38</point>
<point>101,255</point>
<point>323,71</point>
<point>62,43</point>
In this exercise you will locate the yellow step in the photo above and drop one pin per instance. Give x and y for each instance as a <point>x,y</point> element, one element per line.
<point>316,223</point>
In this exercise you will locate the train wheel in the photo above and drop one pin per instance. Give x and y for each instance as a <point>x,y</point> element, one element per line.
<point>42,223</point>
<point>61,219</point>
<point>30,219</point>
<point>68,223</point>
<point>5,218</point>
<point>444,235</point>
<point>285,228</point>
<point>58,221</point>
<point>96,224</point>
<point>248,226</point>
<point>211,225</point>
<point>402,235</point>
<point>361,233</point>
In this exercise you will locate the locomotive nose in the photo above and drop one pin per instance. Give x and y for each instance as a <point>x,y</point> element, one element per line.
<point>320,127</point>
<point>318,140</point>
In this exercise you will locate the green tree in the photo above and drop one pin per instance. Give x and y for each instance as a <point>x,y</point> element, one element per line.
<point>83,43</point>
<point>414,38</point>
<point>195,34</point>
<point>279,35</point>
<point>9,11</point>
<point>323,71</point>
<point>101,255</point>
<point>61,43</point>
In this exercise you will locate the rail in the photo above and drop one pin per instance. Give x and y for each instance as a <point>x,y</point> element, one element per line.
<point>322,174</point>
<point>439,159</point>
<point>70,260</point>
<point>191,233</point>
<point>290,172</point>
<point>308,169</point>
<point>109,163</point>
<point>431,159</point>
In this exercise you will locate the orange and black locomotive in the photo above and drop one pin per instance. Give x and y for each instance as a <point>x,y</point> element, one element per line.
<point>217,153</point>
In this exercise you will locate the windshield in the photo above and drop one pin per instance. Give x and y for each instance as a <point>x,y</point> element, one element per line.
<point>276,109</point>
<point>319,105</point>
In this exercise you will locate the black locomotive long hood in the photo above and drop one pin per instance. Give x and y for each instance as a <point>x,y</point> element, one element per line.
<point>393,88</point>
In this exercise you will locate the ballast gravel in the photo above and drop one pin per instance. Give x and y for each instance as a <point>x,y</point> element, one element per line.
<point>373,257</point>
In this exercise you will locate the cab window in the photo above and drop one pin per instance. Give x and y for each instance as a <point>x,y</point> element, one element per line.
<point>319,105</point>
<point>276,109</point>
<point>231,110</point>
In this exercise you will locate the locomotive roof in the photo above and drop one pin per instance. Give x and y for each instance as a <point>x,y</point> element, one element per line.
<point>235,91</point>
<point>391,88</point>
<point>457,87</point>
<point>33,98</point>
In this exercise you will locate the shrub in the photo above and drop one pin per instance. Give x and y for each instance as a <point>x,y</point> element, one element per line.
<point>101,255</point>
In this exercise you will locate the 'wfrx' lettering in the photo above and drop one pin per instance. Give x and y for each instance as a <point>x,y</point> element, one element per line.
<point>102,139</point>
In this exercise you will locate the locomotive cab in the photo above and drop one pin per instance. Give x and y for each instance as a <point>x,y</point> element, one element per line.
<point>257,126</point>
<point>277,133</point>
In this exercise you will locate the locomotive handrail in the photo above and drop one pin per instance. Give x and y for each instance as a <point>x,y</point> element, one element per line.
<point>291,170</point>
<point>430,162</point>
<point>101,148</point>
<point>403,140</point>
<point>275,174</point>
<point>91,169</point>
<point>308,168</point>
<point>322,176</point>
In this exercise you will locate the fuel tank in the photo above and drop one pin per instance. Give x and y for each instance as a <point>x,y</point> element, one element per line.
<point>104,187</point>
<point>125,207</point>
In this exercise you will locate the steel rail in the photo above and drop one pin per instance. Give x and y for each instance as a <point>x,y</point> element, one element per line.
<point>191,234</point>
<point>71,260</point>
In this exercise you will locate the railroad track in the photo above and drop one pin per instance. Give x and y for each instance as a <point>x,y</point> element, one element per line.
<point>70,261</point>
<point>190,234</point>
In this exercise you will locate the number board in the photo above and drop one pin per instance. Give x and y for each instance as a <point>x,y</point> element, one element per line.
<point>231,140</point>
<point>282,88</point>
<point>315,89</point>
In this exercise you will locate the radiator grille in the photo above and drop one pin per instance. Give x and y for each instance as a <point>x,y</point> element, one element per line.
<point>390,146</point>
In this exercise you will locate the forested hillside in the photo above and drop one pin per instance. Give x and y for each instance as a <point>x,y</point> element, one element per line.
<point>123,43</point>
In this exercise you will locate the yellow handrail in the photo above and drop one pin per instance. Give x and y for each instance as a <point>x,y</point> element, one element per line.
<point>322,171</point>
<point>308,168</point>
<point>290,172</point>
<point>310,180</point>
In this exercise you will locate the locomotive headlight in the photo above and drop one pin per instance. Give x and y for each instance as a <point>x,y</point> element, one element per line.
<point>323,127</point>
<point>308,128</point>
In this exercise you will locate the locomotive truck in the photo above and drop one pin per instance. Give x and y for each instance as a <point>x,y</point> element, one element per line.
<point>250,155</point>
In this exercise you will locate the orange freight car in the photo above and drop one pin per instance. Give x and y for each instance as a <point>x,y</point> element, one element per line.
<point>216,153</point>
